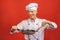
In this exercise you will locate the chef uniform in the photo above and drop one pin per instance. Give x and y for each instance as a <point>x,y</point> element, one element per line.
<point>28,24</point>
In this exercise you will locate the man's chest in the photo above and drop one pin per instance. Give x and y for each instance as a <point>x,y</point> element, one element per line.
<point>32,26</point>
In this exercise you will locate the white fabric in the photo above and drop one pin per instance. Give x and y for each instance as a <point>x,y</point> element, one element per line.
<point>27,24</point>
<point>53,23</point>
<point>33,6</point>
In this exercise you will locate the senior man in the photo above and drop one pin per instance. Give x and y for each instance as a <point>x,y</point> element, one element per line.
<point>34,23</point>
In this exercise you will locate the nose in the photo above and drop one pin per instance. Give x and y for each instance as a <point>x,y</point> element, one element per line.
<point>30,13</point>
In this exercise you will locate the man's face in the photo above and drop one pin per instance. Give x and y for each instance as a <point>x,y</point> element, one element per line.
<point>32,13</point>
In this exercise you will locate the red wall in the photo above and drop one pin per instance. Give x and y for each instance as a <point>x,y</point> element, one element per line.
<point>13,12</point>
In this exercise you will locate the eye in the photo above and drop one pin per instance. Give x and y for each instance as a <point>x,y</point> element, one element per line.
<point>32,11</point>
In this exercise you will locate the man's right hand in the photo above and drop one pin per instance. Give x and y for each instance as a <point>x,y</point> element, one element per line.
<point>13,29</point>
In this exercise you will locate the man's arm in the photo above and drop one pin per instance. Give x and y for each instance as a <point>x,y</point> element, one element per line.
<point>14,29</point>
<point>17,28</point>
<point>51,25</point>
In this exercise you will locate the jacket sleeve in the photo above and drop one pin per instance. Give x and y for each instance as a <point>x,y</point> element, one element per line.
<point>52,25</point>
<point>20,25</point>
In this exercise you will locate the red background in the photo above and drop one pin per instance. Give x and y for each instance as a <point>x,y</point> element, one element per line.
<point>13,12</point>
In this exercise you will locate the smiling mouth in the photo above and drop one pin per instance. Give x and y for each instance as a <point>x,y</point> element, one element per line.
<point>32,15</point>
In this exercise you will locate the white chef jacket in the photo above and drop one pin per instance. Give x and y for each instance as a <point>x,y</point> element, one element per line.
<point>27,24</point>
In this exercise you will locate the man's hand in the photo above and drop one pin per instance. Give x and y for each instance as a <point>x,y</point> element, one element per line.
<point>13,29</point>
<point>46,22</point>
<point>50,24</point>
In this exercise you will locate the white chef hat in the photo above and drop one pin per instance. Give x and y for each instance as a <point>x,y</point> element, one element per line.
<point>33,6</point>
